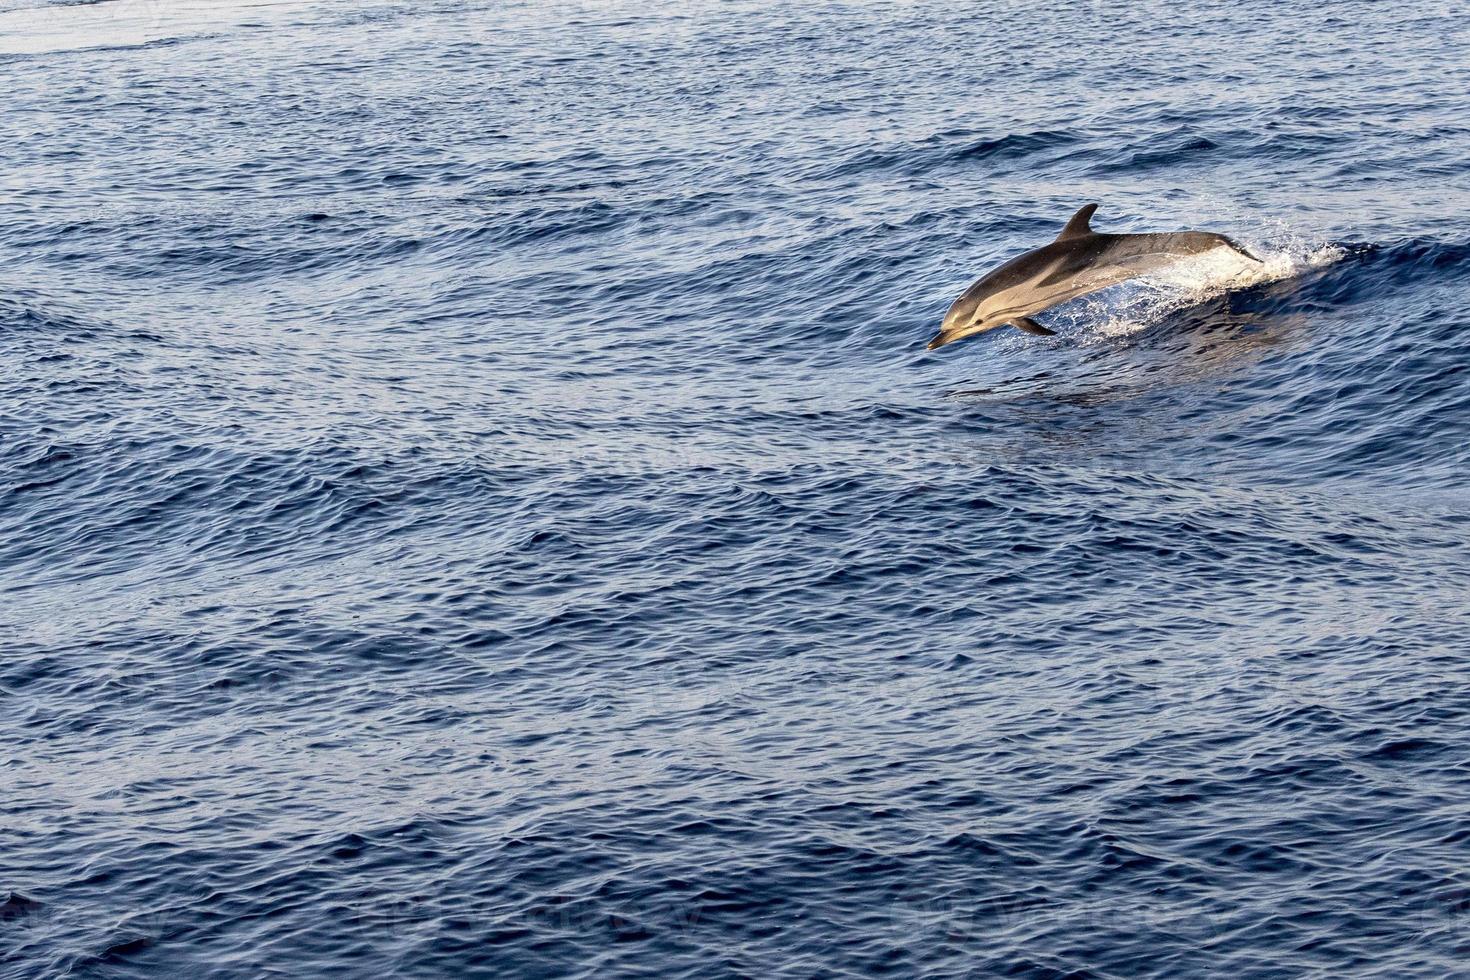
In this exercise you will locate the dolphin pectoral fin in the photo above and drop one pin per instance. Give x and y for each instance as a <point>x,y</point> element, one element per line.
<point>1028,325</point>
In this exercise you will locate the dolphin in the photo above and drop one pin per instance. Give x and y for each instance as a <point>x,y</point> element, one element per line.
<point>1079,262</point>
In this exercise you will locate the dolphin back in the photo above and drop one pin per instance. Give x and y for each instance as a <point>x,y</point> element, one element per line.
<point>1185,243</point>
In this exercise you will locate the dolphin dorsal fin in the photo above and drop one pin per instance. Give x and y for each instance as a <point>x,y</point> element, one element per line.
<point>1078,227</point>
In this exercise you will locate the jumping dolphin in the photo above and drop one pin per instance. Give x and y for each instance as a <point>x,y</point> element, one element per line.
<point>1079,262</point>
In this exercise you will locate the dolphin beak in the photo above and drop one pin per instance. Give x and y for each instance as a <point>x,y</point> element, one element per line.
<point>937,342</point>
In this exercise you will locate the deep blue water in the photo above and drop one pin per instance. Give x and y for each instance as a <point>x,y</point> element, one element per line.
<point>474,500</point>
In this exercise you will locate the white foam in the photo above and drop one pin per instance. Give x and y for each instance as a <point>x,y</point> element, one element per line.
<point>1143,302</point>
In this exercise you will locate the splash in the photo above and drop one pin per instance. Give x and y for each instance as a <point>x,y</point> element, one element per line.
<point>1141,303</point>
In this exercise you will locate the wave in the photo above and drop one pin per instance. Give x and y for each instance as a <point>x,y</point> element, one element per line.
<point>1144,302</point>
<point>1303,265</point>
<point>950,150</point>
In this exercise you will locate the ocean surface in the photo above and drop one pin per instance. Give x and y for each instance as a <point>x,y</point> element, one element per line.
<point>474,500</point>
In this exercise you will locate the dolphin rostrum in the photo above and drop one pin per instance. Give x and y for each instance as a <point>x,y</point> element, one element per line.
<point>1079,262</point>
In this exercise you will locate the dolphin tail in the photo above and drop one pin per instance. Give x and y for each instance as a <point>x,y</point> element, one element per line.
<point>1242,249</point>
